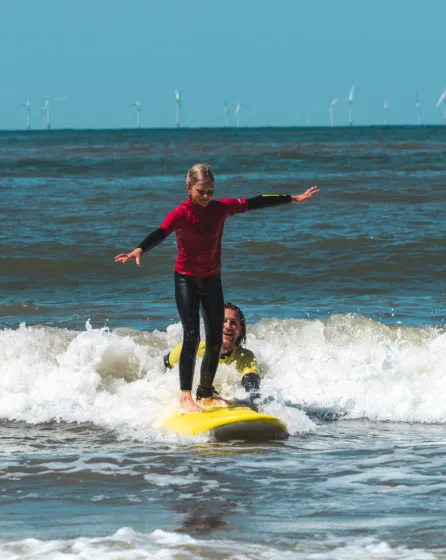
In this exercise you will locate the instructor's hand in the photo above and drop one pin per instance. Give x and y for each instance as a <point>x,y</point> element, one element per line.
<point>306,195</point>
<point>134,255</point>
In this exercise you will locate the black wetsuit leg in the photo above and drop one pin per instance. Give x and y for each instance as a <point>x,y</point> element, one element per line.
<point>213,311</point>
<point>188,304</point>
<point>190,292</point>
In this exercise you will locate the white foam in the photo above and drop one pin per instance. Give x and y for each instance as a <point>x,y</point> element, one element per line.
<point>129,545</point>
<point>355,365</point>
<point>117,379</point>
<point>70,381</point>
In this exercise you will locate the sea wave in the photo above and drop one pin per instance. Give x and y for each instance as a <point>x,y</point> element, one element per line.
<point>350,365</point>
<point>126,543</point>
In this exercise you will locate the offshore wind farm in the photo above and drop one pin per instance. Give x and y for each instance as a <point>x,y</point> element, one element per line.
<point>232,115</point>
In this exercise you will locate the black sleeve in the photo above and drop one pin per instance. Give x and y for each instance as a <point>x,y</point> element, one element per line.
<point>152,240</point>
<point>251,383</point>
<point>167,361</point>
<point>266,200</point>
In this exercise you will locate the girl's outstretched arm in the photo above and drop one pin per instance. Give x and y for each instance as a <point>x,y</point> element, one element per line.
<point>152,240</point>
<point>267,200</point>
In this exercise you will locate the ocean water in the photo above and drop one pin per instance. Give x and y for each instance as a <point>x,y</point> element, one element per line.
<point>344,297</point>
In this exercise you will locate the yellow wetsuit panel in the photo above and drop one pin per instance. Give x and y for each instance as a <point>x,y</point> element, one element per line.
<point>244,359</point>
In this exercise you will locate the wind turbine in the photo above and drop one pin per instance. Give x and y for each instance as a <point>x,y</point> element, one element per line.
<point>386,107</point>
<point>46,114</point>
<point>137,104</point>
<point>178,107</point>
<point>46,110</point>
<point>442,98</point>
<point>237,113</point>
<point>28,113</point>
<point>332,105</point>
<point>226,110</point>
<point>350,105</point>
<point>418,106</point>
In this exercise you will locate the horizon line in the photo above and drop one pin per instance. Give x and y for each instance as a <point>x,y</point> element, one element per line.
<point>228,128</point>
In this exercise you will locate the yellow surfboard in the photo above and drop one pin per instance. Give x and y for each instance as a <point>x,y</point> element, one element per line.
<point>225,424</point>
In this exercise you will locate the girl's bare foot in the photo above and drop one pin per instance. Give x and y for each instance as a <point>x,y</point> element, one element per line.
<point>187,403</point>
<point>212,403</point>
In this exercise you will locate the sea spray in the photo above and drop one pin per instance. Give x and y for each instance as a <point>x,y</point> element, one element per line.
<point>350,365</point>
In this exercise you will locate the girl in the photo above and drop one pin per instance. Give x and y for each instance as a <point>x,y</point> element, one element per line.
<point>198,223</point>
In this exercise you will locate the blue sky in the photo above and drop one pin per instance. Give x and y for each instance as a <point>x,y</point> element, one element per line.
<point>279,58</point>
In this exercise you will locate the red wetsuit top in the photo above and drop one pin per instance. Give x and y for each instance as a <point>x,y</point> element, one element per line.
<point>199,230</point>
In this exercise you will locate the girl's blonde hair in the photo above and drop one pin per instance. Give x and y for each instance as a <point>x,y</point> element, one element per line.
<point>199,172</point>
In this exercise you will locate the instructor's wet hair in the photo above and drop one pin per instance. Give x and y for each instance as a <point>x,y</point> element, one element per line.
<point>241,340</point>
<point>199,172</point>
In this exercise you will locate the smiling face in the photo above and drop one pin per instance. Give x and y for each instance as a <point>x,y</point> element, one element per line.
<point>201,193</point>
<point>232,329</point>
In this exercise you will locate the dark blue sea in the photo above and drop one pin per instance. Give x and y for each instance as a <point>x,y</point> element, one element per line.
<point>345,299</point>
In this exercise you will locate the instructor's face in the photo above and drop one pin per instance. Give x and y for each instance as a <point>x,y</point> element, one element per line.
<point>231,329</point>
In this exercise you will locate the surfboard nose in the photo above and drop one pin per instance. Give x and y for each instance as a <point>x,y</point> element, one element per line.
<point>225,424</point>
<point>250,431</point>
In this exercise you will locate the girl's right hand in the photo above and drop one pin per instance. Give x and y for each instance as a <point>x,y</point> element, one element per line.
<point>134,255</point>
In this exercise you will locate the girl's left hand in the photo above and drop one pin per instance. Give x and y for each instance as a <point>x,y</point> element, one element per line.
<point>306,195</point>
